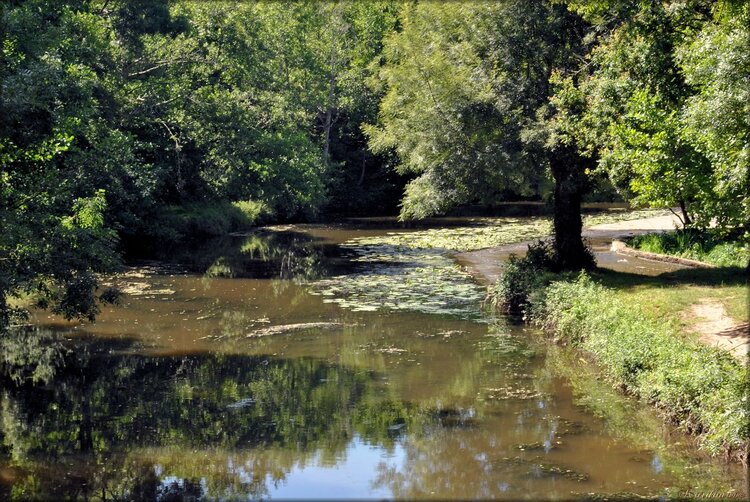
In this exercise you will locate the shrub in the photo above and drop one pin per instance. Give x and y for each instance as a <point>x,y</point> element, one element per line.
<point>523,281</point>
<point>252,212</point>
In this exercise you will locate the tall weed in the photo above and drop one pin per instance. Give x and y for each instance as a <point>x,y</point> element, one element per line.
<point>722,250</point>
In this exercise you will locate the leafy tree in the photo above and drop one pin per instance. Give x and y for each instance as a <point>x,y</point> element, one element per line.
<point>642,104</point>
<point>716,117</point>
<point>53,236</point>
<point>467,90</point>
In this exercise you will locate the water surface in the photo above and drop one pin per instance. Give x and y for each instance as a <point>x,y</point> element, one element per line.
<point>181,391</point>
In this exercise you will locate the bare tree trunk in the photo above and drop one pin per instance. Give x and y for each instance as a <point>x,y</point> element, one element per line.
<point>570,185</point>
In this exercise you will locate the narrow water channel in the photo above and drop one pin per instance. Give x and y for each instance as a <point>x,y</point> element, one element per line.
<point>264,366</point>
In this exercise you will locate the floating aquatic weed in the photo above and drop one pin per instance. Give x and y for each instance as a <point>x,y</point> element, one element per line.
<point>546,446</point>
<point>481,234</point>
<point>391,350</point>
<point>290,328</point>
<point>556,471</point>
<point>617,216</point>
<point>509,392</point>
<point>501,344</point>
<point>537,469</point>
<point>449,333</point>
<point>414,271</point>
<point>627,496</point>
<point>564,426</point>
<point>401,279</point>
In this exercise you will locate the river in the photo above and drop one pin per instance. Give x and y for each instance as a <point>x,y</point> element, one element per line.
<point>324,361</point>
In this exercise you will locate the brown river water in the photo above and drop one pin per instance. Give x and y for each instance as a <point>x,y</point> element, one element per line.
<point>221,375</point>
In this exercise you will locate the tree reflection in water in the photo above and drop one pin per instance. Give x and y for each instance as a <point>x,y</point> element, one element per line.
<point>109,424</point>
<point>447,407</point>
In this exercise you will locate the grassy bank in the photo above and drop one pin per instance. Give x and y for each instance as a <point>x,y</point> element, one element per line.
<point>637,331</point>
<point>706,246</point>
<point>639,428</point>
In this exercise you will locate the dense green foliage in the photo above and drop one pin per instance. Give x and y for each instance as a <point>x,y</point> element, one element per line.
<point>482,98</point>
<point>703,388</point>
<point>663,103</point>
<point>707,246</point>
<point>524,279</point>
<point>466,109</point>
<point>171,120</point>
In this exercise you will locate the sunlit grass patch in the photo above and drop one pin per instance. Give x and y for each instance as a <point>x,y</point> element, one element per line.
<point>706,246</point>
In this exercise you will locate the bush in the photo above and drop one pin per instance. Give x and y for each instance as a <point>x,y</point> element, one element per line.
<point>253,212</point>
<point>524,280</point>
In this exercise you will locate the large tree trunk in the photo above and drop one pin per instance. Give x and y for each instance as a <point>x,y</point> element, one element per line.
<point>570,185</point>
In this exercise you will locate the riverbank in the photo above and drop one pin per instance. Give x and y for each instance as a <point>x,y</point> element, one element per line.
<point>637,336</point>
<point>712,309</point>
<point>672,335</point>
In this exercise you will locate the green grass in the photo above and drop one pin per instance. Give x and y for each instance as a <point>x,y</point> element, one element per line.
<point>705,246</point>
<point>636,337</point>
<point>669,296</point>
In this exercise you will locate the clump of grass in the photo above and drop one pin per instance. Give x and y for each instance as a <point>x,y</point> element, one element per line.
<point>701,388</point>
<point>708,246</point>
<point>252,211</point>
<point>522,284</point>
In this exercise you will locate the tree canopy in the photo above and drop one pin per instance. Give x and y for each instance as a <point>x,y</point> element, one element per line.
<point>117,117</point>
<point>663,105</point>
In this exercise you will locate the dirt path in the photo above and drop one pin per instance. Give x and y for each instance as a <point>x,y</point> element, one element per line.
<point>714,326</point>
<point>486,264</point>
<point>717,329</point>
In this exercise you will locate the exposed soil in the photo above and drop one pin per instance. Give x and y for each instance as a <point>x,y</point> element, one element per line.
<point>716,328</point>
